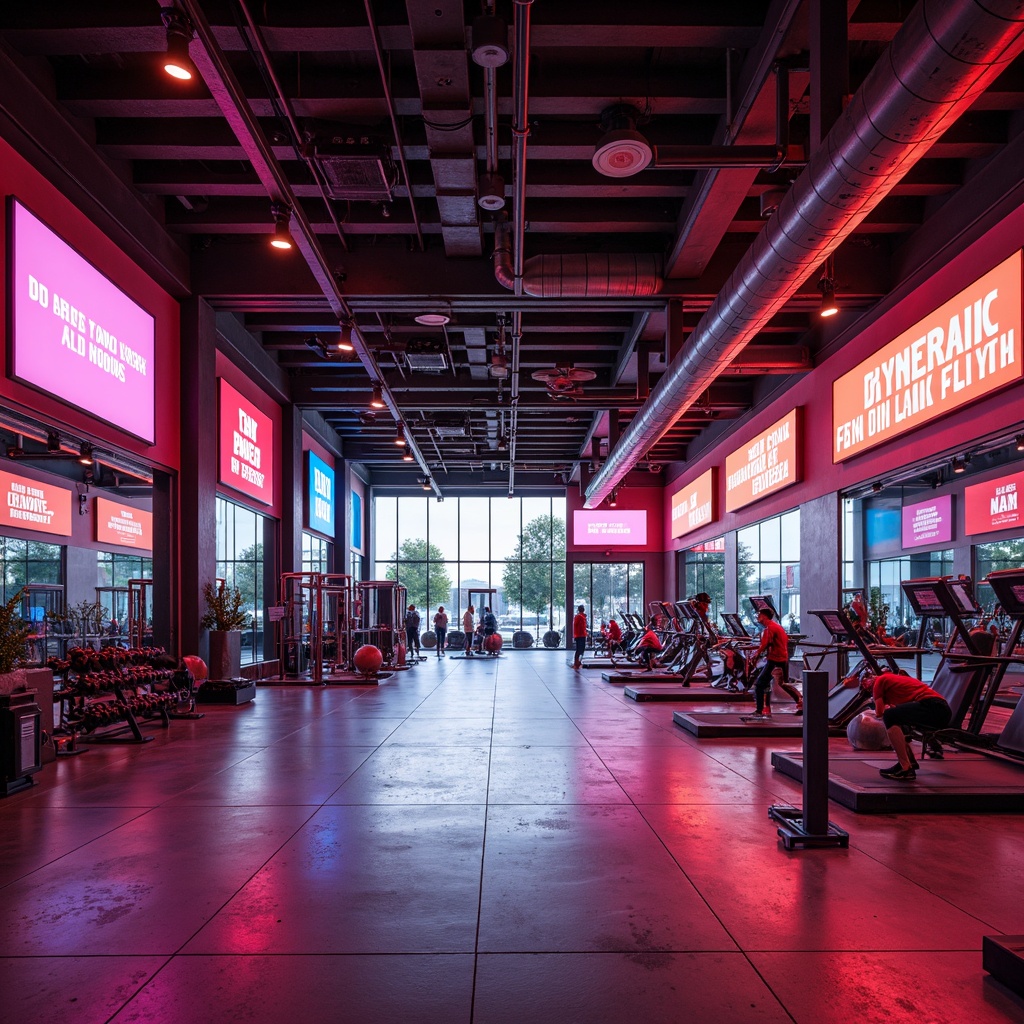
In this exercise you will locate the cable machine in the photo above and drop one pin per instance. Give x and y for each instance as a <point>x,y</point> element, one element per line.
<point>378,613</point>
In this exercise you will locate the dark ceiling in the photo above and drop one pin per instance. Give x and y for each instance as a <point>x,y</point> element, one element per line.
<point>377,123</point>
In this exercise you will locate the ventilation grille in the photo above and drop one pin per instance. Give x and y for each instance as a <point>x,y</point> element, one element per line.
<point>357,170</point>
<point>426,354</point>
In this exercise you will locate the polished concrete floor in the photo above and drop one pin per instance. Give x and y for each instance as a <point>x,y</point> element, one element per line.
<point>487,841</point>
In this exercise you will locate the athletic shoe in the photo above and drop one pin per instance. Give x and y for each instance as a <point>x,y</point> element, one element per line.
<point>757,716</point>
<point>897,771</point>
<point>913,761</point>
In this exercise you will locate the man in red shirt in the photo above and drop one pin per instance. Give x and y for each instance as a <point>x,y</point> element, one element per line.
<point>613,638</point>
<point>903,701</point>
<point>774,641</point>
<point>649,647</point>
<point>579,634</point>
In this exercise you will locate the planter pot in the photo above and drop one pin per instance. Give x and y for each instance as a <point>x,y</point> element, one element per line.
<point>225,653</point>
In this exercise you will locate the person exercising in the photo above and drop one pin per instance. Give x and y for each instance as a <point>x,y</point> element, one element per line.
<point>902,701</point>
<point>649,647</point>
<point>440,628</point>
<point>774,642</point>
<point>412,631</point>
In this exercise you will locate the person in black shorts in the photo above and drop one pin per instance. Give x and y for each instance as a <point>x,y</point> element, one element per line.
<point>903,701</point>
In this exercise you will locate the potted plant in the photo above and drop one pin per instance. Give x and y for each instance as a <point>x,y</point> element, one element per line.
<point>225,618</point>
<point>14,634</point>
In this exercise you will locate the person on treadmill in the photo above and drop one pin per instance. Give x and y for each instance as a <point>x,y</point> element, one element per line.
<point>613,637</point>
<point>903,701</point>
<point>649,647</point>
<point>702,605</point>
<point>774,641</point>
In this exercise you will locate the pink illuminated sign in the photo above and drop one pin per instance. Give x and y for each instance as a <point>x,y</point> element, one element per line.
<point>246,446</point>
<point>928,522</point>
<point>76,335</point>
<point>994,505</point>
<point>609,526</point>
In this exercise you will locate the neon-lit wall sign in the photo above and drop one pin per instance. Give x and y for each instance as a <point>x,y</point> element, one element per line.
<point>246,446</point>
<point>764,465</point>
<point>994,505</point>
<point>123,525</point>
<point>969,347</point>
<point>76,335</point>
<point>928,522</point>
<point>609,526</point>
<point>31,505</point>
<point>693,505</point>
<point>319,494</point>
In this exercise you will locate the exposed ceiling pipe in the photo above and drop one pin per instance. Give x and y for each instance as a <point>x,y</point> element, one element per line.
<point>937,65</point>
<point>520,133</point>
<point>390,101</point>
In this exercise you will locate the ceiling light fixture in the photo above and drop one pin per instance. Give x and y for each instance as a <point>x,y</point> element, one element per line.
<point>377,398</point>
<point>344,343</point>
<point>613,500</point>
<point>959,465</point>
<point>433,319</point>
<point>400,435</point>
<point>52,441</point>
<point>407,454</point>
<point>282,237</point>
<point>491,195</point>
<point>827,287</point>
<point>876,487</point>
<point>177,62</point>
<point>490,41</point>
<point>622,150</point>
<point>1019,442</point>
<point>425,483</point>
<point>85,456</point>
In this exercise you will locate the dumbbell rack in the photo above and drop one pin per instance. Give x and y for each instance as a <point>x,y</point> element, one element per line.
<point>111,688</point>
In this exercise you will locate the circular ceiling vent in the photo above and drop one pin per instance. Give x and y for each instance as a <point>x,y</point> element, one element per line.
<point>621,153</point>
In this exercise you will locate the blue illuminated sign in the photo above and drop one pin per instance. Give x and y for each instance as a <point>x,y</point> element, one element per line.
<point>320,495</point>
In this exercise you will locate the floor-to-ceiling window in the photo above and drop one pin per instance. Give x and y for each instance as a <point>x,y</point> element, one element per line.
<point>608,589</point>
<point>509,554</point>
<point>314,553</point>
<point>240,562</point>
<point>768,562</point>
<point>28,561</point>
<point>704,573</point>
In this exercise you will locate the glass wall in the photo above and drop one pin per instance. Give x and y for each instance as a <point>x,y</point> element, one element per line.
<point>1004,554</point>
<point>607,589</point>
<point>768,562</point>
<point>240,562</point>
<point>885,597</point>
<point>445,552</point>
<point>314,553</point>
<point>704,572</point>
<point>28,561</point>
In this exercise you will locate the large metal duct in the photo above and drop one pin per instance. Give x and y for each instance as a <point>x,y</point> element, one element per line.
<point>942,58</point>
<point>583,275</point>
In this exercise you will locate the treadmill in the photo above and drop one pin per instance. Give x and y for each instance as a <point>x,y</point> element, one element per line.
<point>966,779</point>
<point>729,723</point>
<point>702,641</point>
<point>675,642</point>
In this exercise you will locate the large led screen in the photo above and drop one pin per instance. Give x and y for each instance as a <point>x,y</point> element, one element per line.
<point>319,494</point>
<point>994,505</point>
<point>764,465</point>
<point>967,348</point>
<point>32,505</point>
<point>123,525</point>
<point>609,526</point>
<point>74,334</point>
<point>246,446</point>
<point>928,522</point>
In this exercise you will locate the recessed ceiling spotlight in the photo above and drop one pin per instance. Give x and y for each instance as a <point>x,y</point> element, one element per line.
<point>377,397</point>
<point>407,454</point>
<point>282,237</point>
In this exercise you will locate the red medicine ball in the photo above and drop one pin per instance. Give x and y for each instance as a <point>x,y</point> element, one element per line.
<point>493,643</point>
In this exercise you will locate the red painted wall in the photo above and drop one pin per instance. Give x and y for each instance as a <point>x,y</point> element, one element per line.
<point>19,178</point>
<point>813,393</point>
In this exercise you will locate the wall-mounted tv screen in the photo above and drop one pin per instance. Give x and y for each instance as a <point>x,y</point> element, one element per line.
<point>74,334</point>
<point>609,526</point>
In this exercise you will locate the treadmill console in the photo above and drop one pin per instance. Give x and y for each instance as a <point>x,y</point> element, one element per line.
<point>760,601</point>
<point>734,625</point>
<point>925,595</point>
<point>1008,586</point>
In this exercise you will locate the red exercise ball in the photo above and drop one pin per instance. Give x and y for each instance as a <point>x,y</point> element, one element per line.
<point>492,643</point>
<point>367,660</point>
<point>197,667</point>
